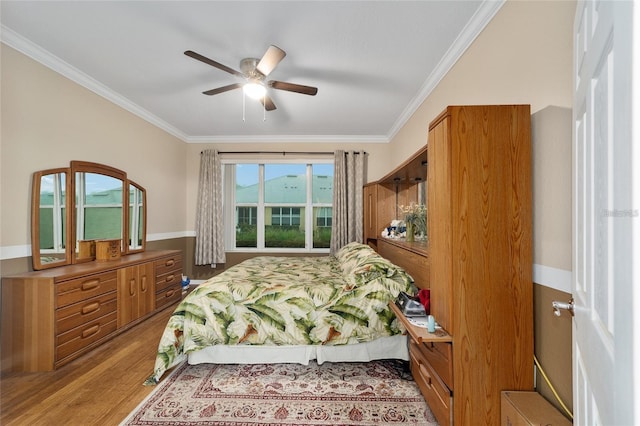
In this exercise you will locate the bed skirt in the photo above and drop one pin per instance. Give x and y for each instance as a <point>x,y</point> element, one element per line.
<point>391,347</point>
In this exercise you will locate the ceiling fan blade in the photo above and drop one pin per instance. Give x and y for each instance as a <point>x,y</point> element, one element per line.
<point>213,63</point>
<point>291,87</point>
<point>223,89</point>
<point>268,103</point>
<point>270,60</point>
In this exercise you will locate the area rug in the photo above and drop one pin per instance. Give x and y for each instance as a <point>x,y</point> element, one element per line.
<point>372,393</point>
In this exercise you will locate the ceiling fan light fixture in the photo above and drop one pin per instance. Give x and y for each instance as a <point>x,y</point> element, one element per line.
<point>254,90</point>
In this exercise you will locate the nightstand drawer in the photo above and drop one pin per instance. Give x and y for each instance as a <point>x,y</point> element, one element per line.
<point>439,356</point>
<point>435,392</point>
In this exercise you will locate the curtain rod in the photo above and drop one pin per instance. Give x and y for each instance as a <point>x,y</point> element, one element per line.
<point>281,152</point>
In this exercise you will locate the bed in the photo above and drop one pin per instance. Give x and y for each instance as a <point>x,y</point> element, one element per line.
<point>290,309</point>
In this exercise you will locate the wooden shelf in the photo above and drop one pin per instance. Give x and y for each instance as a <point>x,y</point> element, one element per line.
<point>419,246</point>
<point>420,334</point>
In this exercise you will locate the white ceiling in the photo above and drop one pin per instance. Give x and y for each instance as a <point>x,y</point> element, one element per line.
<point>373,62</point>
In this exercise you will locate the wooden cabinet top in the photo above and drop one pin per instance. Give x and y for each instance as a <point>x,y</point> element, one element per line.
<point>93,267</point>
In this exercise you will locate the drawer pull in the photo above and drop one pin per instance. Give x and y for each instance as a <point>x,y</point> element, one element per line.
<point>90,285</point>
<point>90,331</point>
<point>170,292</point>
<point>91,307</point>
<point>169,278</point>
<point>169,262</point>
<point>143,284</point>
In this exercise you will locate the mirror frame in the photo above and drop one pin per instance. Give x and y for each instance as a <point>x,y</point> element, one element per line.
<point>130,237</point>
<point>35,218</point>
<point>101,169</point>
<point>70,213</point>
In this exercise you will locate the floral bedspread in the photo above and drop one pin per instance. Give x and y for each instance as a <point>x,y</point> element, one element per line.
<point>329,300</point>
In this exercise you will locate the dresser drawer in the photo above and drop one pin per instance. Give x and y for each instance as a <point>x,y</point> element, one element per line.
<point>169,264</point>
<point>435,392</point>
<point>73,291</point>
<point>80,337</point>
<point>438,355</point>
<point>88,310</point>
<point>168,280</point>
<point>168,296</point>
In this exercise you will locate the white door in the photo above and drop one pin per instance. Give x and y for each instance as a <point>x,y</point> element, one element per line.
<point>606,216</point>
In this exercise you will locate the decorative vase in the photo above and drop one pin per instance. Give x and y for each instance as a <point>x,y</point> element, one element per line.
<point>410,232</point>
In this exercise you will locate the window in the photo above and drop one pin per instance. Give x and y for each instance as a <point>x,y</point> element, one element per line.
<point>278,205</point>
<point>323,218</point>
<point>247,216</point>
<point>285,216</point>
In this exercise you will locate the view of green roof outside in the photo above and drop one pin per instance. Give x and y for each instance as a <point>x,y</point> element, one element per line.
<point>289,189</point>
<point>285,198</point>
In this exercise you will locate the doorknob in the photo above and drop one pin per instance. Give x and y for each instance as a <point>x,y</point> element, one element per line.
<point>561,305</point>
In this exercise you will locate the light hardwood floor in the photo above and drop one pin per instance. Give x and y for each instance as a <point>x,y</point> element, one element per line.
<point>99,388</point>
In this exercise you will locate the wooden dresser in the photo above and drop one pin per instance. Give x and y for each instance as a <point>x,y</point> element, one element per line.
<point>53,316</point>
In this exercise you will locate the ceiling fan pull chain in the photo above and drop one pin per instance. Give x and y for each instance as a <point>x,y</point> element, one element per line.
<point>243,101</point>
<point>264,107</point>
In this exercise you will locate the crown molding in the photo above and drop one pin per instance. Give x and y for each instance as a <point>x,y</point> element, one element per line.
<point>37,53</point>
<point>474,27</point>
<point>290,138</point>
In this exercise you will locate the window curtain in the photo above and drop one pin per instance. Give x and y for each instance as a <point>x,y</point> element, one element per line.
<point>348,180</point>
<point>209,223</point>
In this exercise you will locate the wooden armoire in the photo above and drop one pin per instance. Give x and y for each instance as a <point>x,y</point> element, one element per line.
<point>480,250</point>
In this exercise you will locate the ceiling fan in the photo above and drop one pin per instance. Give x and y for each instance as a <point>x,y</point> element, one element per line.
<point>254,72</point>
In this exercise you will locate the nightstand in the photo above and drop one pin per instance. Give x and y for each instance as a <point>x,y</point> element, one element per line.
<point>431,366</point>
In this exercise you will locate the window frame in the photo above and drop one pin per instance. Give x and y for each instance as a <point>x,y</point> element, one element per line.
<point>229,204</point>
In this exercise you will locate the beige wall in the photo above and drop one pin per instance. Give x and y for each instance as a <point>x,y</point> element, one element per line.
<point>48,120</point>
<point>523,56</point>
<point>551,134</point>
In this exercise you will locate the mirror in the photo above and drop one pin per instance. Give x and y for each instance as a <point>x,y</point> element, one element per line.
<point>50,216</point>
<point>104,205</point>
<point>136,218</point>
<point>98,212</point>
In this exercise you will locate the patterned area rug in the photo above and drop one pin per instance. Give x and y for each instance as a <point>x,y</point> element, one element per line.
<point>372,393</point>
